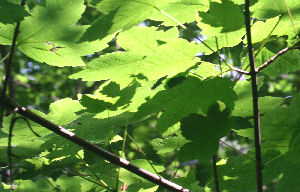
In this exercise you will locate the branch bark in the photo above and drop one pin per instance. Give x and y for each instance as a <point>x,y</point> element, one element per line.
<point>272,59</point>
<point>256,115</point>
<point>59,130</point>
<point>8,68</point>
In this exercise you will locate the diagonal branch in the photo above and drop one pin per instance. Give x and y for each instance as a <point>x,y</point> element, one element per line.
<point>59,130</point>
<point>272,59</point>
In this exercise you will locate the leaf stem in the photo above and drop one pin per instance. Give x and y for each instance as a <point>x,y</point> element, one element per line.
<point>216,173</point>
<point>93,173</point>
<point>79,175</point>
<point>145,155</point>
<point>4,58</point>
<point>291,18</point>
<point>236,150</point>
<point>256,115</point>
<point>122,152</point>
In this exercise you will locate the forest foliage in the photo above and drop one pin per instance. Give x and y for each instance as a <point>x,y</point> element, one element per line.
<point>165,84</point>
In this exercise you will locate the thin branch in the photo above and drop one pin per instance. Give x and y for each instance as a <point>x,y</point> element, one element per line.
<point>11,126</point>
<point>122,153</point>
<point>9,151</point>
<point>237,150</point>
<point>145,155</point>
<point>112,158</point>
<point>240,71</point>
<point>91,170</point>
<point>85,178</point>
<point>8,68</point>
<point>256,116</point>
<point>4,58</point>
<point>272,59</point>
<point>291,18</point>
<point>216,173</point>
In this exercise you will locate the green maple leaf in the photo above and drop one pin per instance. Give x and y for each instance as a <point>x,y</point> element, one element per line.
<point>225,15</point>
<point>271,8</point>
<point>204,132</point>
<point>176,103</point>
<point>50,34</point>
<point>174,55</point>
<point>223,25</point>
<point>122,15</point>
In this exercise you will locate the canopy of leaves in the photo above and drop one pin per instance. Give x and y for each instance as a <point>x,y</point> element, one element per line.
<point>156,82</point>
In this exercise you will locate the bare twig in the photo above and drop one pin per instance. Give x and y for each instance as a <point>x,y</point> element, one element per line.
<point>12,124</point>
<point>272,59</point>
<point>291,18</point>
<point>256,116</point>
<point>145,155</point>
<point>85,178</point>
<point>236,150</point>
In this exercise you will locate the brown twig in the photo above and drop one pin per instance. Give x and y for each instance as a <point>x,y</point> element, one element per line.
<point>272,59</point>
<point>256,116</point>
